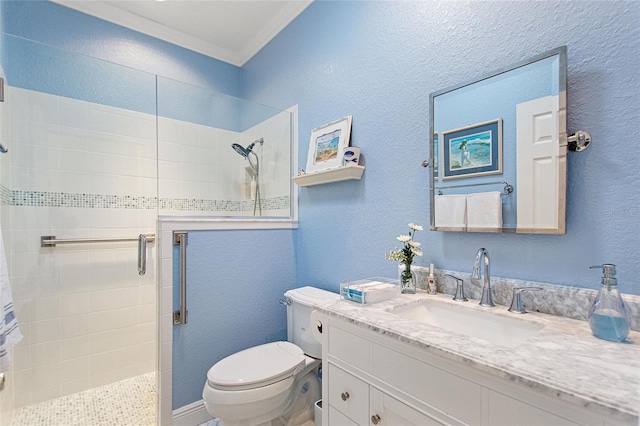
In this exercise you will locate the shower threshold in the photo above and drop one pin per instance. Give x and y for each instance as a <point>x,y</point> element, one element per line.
<point>127,402</point>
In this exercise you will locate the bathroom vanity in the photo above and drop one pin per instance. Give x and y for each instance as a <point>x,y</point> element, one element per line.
<point>384,365</point>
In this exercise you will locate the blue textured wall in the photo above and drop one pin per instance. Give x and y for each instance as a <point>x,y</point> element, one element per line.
<point>76,32</point>
<point>380,60</point>
<point>236,279</point>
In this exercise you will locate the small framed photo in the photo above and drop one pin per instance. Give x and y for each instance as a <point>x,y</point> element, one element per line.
<point>327,144</point>
<point>473,150</point>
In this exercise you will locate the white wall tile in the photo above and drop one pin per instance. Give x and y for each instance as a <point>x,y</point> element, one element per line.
<point>75,386</point>
<point>45,353</point>
<point>74,113</point>
<point>100,120</point>
<point>102,363</point>
<point>169,130</point>
<point>76,326</point>
<point>75,347</point>
<point>74,370</point>
<point>21,358</point>
<point>72,139</point>
<point>43,107</point>
<point>46,331</point>
<point>74,304</point>
<point>22,381</point>
<point>103,342</point>
<point>19,99</point>
<point>46,308</point>
<point>170,170</point>
<point>76,183</point>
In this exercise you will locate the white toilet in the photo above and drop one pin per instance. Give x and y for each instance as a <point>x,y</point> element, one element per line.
<point>275,383</point>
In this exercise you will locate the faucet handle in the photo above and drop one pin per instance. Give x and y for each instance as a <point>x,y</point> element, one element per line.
<point>459,296</point>
<point>516,301</point>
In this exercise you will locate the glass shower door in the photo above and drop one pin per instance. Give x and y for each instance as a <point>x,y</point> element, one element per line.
<point>81,167</point>
<point>221,156</point>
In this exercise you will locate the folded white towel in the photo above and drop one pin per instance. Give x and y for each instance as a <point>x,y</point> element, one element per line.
<point>484,210</point>
<point>451,211</point>
<point>9,332</point>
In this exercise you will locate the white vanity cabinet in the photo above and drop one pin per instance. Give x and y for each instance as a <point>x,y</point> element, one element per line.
<point>354,402</point>
<point>373,379</point>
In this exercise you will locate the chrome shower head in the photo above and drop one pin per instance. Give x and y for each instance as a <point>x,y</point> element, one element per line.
<point>250,147</point>
<point>240,150</point>
<point>245,151</point>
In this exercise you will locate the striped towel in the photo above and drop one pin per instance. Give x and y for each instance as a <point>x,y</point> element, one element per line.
<point>9,331</point>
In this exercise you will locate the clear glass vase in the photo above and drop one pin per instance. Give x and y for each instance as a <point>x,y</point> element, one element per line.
<point>408,280</point>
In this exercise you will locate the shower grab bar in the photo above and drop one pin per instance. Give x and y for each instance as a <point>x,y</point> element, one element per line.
<point>180,316</point>
<point>142,254</point>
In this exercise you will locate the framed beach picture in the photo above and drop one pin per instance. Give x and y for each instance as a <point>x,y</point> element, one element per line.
<point>473,150</point>
<point>327,144</point>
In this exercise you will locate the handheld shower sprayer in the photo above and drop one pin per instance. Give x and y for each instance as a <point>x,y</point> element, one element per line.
<point>246,151</point>
<point>254,168</point>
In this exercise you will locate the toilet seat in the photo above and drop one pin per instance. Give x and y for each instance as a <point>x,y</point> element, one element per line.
<point>257,367</point>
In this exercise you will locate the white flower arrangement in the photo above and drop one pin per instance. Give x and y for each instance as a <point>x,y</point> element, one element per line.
<point>406,254</point>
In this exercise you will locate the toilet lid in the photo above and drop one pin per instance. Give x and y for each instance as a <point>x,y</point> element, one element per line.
<point>257,366</point>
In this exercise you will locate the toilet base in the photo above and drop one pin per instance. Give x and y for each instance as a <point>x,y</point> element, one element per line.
<point>299,411</point>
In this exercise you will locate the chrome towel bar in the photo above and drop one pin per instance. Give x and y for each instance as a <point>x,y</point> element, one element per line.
<point>508,188</point>
<point>52,241</point>
<point>142,239</point>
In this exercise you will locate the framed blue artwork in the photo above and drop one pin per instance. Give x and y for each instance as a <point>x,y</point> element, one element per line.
<point>473,150</point>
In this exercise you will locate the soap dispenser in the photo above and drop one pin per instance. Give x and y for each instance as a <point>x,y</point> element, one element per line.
<point>608,318</point>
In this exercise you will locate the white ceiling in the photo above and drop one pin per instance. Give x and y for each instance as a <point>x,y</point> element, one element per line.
<point>229,30</point>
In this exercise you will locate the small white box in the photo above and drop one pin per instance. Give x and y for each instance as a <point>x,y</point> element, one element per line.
<point>370,290</point>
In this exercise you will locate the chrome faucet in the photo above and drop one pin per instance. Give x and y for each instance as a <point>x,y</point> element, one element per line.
<point>459,296</point>
<point>487,294</point>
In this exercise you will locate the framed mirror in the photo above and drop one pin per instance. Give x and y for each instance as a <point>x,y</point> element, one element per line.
<point>498,150</point>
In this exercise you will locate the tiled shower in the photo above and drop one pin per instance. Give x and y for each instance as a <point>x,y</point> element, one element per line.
<point>82,168</point>
<point>79,170</point>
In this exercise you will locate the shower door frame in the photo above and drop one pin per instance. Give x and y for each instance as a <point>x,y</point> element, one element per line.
<point>196,413</point>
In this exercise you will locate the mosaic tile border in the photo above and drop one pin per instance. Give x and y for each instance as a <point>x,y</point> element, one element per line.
<point>95,201</point>
<point>5,195</point>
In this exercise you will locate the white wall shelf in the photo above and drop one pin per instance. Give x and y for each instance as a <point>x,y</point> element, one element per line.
<point>331,175</point>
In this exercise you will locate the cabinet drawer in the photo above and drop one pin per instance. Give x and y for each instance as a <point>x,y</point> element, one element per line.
<point>351,349</point>
<point>434,386</point>
<point>336,418</point>
<point>504,410</point>
<point>349,395</point>
<point>391,412</point>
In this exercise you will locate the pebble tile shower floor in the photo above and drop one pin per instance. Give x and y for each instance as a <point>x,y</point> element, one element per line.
<point>128,402</point>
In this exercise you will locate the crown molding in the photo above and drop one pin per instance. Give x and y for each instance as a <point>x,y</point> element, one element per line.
<point>137,23</point>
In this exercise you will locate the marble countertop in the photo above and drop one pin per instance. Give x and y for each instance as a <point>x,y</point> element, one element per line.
<point>563,359</point>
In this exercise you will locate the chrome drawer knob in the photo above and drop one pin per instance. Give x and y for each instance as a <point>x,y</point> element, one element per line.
<point>344,396</point>
<point>375,419</point>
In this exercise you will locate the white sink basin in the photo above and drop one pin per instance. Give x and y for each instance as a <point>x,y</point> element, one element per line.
<point>479,323</point>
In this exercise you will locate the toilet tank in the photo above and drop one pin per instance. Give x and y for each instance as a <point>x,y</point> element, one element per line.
<point>300,303</point>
